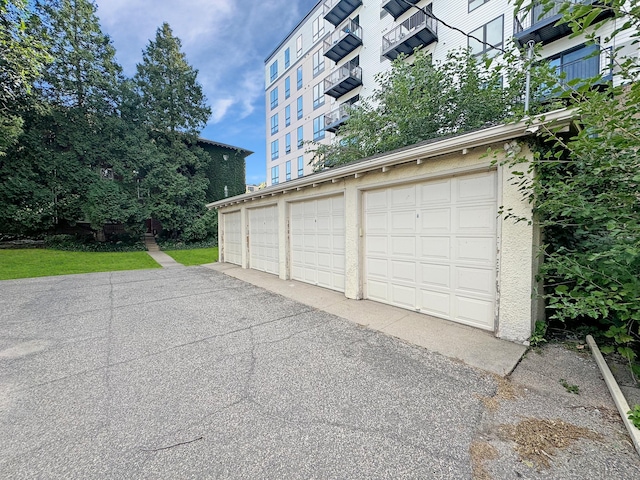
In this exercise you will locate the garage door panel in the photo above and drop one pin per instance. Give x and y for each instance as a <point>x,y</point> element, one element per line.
<point>478,249</point>
<point>403,196</point>
<point>435,248</point>
<point>403,271</point>
<point>377,290</point>
<point>436,275</point>
<point>432,247</point>
<point>403,221</point>
<point>403,295</point>
<point>475,188</point>
<point>377,268</point>
<point>436,192</point>
<point>475,219</point>
<point>435,221</point>
<point>376,222</point>
<point>376,245</point>
<point>474,280</point>
<point>473,311</point>
<point>377,200</point>
<point>317,242</point>
<point>435,303</point>
<point>403,246</point>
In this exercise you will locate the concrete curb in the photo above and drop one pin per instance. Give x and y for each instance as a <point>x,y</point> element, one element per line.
<point>616,393</point>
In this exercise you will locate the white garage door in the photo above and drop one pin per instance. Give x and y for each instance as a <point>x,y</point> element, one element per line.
<point>431,247</point>
<point>263,239</point>
<point>317,242</point>
<point>232,238</point>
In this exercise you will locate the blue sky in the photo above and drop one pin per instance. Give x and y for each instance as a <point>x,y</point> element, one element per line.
<point>227,41</point>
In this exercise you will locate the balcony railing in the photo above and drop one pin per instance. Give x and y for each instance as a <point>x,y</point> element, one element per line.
<point>342,41</point>
<point>343,80</point>
<point>398,7</point>
<point>335,118</point>
<point>418,30</point>
<point>538,24</point>
<point>588,67</point>
<point>336,11</point>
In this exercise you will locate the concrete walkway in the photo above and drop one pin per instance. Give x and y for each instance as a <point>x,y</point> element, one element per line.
<point>472,346</point>
<point>164,260</point>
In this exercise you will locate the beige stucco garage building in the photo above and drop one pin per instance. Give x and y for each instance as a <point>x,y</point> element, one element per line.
<point>418,228</point>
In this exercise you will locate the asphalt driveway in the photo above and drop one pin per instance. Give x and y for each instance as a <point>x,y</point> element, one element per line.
<point>188,373</point>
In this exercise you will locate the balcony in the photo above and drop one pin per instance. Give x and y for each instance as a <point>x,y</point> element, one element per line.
<point>343,41</point>
<point>587,66</point>
<point>334,119</point>
<point>398,7</point>
<point>336,11</point>
<point>582,64</point>
<point>343,80</point>
<point>540,26</point>
<point>419,30</point>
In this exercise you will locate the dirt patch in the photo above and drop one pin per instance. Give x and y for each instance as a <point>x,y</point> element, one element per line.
<point>538,440</point>
<point>481,452</point>
<point>505,390</point>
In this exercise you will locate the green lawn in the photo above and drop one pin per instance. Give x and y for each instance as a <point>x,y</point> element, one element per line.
<point>197,256</point>
<point>39,262</point>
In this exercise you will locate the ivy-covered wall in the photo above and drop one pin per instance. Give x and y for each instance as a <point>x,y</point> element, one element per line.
<point>221,171</point>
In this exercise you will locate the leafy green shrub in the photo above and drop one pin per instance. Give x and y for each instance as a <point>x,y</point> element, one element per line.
<point>634,415</point>
<point>122,243</point>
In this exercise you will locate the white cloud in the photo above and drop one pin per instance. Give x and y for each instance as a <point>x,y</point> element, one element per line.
<point>219,109</point>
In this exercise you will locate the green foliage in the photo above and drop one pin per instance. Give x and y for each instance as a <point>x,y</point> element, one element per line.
<point>634,416</point>
<point>22,56</point>
<point>418,100</point>
<point>539,332</point>
<point>73,243</point>
<point>224,172</point>
<point>569,387</point>
<point>585,192</point>
<point>171,98</point>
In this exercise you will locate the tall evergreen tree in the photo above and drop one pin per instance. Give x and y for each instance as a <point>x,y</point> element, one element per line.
<point>74,144</point>
<point>22,56</point>
<point>171,97</point>
<point>173,108</point>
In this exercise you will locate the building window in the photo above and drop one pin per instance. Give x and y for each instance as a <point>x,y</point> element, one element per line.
<point>287,87</point>
<point>473,4</point>
<point>299,77</point>
<point>318,63</point>
<point>287,143</point>
<point>300,166</point>
<point>491,33</point>
<point>300,138</point>
<point>299,46</point>
<point>287,115</point>
<point>275,175</point>
<point>273,95</point>
<point>288,170</point>
<point>287,58</point>
<point>299,108</point>
<point>274,124</point>
<point>318,128</point>
<point>275,149</point>
<point>273,71</point>
<point>318,95</point>
<point>317,27</point>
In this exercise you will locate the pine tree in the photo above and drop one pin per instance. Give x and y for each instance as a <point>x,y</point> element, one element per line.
<point>171,97</point>
<point>173,108</point>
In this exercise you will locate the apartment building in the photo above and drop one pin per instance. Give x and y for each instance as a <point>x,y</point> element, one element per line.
<point>330,59</point>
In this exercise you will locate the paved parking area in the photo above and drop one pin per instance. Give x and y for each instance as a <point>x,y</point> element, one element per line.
<point>189,373</point>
